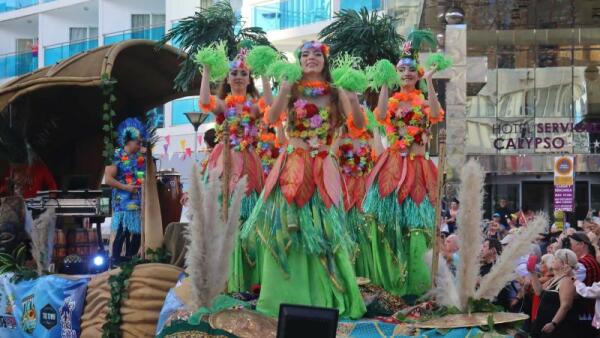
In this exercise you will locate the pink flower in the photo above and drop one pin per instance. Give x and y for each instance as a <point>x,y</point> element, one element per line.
<point>299,107</point>
<point>316,121</point>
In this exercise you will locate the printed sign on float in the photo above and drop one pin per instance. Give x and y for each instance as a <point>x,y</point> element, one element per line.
<point>564,183</point>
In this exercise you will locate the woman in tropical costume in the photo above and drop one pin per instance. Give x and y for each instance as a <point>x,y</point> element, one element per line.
<point>402,187</point>
<point>299,217</point>
<point>236,108</point>
<point>357,155</point>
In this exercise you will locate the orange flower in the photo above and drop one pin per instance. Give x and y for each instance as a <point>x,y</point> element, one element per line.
<point>399,145</point>
<point>412,130</point>
<point>234,100</point>
<point>210,106</point>
<point>353,130</point>
<point>421,71</point>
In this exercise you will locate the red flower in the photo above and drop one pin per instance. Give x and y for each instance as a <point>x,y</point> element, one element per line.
<point>419,138</point>
<point>311,109</point>
<point>347,147</point>
<point>220,118</point>
<point>255,289</point>
<point>300,127</point>
<point>408,117</point>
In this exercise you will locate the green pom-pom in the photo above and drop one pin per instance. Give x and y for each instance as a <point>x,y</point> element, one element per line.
<point>260,58</point>
<point>372,123</point>
<point>215,57</point>
<point>439,60</point>
<point>347,77</point>
<point>285,71</point>
<point>383,73</point>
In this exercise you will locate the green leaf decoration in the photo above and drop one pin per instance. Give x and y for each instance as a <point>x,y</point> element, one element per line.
<point>112,99</point>
<point>439,60</point>
<point>383,73</point>
<point>105,117</point>
<point>285,71</point>
<point>260,58</point>
<point>346,76</point>
<point>215,57</point>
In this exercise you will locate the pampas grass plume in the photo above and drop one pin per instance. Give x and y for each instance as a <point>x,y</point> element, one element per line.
<point>210,239</point>
<point>470,234</point>
<point>503,270</point>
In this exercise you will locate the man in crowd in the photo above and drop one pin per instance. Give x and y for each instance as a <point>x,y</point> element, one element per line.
<point>586,255</point>
<point>450,252</point>
<point>26,180</point>
<point>503,212</point>
<point>490,250</point>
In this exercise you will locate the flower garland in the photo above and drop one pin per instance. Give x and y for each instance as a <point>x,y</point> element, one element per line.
<point>314,44</point>
<point>311,123</point>
<point>407,120</point>
<point>267,150</point>
<point>314,88</point>
<point>243,127</point>
<point>356,156</point>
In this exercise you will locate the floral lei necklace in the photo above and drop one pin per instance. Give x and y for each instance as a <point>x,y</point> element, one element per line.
<point>406,123</point>
<point>357,157</point>
<point>267,150</point>
<point>311,123</point>
<point>314,88</point>
<point>243,127</point>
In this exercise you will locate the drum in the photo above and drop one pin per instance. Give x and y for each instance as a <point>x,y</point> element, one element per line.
<point>169,192</point>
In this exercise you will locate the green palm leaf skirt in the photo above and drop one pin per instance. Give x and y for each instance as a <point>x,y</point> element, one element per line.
<point>400,236</point>
<point>304,254</point>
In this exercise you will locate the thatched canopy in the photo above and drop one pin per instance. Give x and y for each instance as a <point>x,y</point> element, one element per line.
<point>59,107</point>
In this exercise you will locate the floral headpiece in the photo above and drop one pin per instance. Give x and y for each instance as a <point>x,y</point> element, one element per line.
<point>413,45</point>
<point>314,44</point>
<point>240,60</point>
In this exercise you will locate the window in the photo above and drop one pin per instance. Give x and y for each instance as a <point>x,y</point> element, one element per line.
<point>141,22</point>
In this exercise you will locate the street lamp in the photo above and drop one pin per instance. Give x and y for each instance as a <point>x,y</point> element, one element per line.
<point>196,119</point>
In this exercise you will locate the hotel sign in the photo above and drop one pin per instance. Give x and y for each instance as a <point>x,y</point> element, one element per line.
<point>564,183</point>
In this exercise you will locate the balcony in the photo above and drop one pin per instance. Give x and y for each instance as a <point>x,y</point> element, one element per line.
<point>55,53</point>
<point>16,64</point>
<point>290,14</point>
<point>13,5</point>
<point>148,33</point>
<point>372,5</point>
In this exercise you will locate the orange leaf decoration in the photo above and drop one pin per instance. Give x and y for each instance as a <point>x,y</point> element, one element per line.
<point>360,190</point>
<point>273,177</point>
<point>237,169</point>
<point>318,178</point>
<point>292,174</point>
<point>390,174</point>
<point>253,171</point>
<point>331,179</point>
<point>307,187</point>
<point>419,190</point>
<point>407,186</point>
<point>431,174</point>
<point>380,162</point>
<point>348,191</point>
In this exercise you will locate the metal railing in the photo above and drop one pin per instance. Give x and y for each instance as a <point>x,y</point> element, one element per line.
<point>16,64</point>
<point>13,5</point>
<point>149,33</point>
<point>55,53</point>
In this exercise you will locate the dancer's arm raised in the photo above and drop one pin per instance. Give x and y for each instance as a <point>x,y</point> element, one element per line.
<point>205,97</point>
<point>432,98</point>
<point>281,101</point>
<point>382,103</point>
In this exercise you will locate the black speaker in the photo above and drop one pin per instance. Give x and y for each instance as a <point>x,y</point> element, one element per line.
<point>298,321</point>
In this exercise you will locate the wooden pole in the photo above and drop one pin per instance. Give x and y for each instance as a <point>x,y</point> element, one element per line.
<point>438,206</point>
<point>226,170</point>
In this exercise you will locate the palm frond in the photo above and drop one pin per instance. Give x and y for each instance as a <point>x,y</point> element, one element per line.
<point>371,36</point>
<point>216,23</point>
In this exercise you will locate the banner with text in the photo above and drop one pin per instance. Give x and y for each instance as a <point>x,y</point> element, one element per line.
<point>564,183</point>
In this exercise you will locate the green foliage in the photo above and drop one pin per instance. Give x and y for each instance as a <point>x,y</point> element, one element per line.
<point>370,36</point>
<point>216,23</point>
<point>421,37</point>
<point>345,74</point>
<point>439,60</point>
<point>285,71</point>
<point>107,86</point>
<point>260,58</point>
<point>119,284</point>
<point>214,56</point>
<point>15,263</point>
